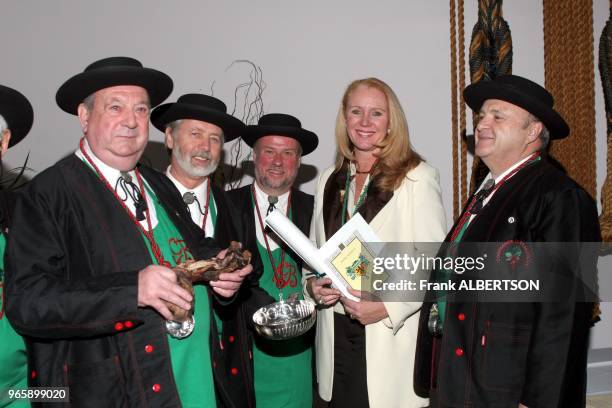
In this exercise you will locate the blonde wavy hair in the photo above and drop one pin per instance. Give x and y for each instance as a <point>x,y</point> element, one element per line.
<point>396,157</point>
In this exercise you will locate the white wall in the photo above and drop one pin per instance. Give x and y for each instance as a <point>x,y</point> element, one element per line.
<point>308,52</point>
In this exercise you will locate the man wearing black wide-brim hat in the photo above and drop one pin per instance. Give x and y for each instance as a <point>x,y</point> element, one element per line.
<point>89,257</point>
<point>519,351</point>
<point>16,118</point>
<point>282,369</point>
<point>196,127</point>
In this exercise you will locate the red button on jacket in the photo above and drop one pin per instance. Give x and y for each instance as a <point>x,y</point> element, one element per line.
<point>156,388</point>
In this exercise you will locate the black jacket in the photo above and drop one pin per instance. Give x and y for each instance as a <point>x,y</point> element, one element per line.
<point>73,258</point>
<point>499,354</point>
<point>234,348</point>
<point>7,202</point>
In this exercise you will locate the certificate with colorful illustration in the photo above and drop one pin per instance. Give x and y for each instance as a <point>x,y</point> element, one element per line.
<point>354,262</point>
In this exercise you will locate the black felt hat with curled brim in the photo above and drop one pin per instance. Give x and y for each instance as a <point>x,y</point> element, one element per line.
<point>199,107</point>
<point>17,113</point>
<point>521,92</point>
<point>113,71</point>
<point>280,124</point>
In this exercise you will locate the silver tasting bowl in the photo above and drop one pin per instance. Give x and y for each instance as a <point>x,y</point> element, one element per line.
<point>285,320</point>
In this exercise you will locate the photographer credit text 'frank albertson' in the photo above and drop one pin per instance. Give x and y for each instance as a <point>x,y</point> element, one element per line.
<point>467,285</point>
<point>458,265</point>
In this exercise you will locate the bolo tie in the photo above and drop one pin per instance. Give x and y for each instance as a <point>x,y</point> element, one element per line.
<point>189,198</point>
<point>272,200</point>
<point>125,187</point>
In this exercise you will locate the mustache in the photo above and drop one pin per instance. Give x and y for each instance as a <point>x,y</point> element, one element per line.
<point>201,153</point>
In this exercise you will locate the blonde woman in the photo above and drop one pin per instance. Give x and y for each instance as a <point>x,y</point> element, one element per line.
<point>365,350</point>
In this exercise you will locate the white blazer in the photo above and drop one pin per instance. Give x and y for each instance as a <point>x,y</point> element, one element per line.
<point>414,214</point>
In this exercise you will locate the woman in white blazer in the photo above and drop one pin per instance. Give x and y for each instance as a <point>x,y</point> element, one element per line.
<point>365,350</point>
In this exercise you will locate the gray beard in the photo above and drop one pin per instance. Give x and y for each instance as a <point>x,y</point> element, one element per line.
<point>194,171</point>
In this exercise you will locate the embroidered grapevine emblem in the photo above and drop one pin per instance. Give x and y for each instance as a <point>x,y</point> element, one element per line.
<point>180,252</point>
<point>514,253</point>
<point>285,275</point>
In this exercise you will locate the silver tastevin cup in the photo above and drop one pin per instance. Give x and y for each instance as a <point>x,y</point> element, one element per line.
<point>184,322</point>
<point>284,320</point>
<point>180,330</point>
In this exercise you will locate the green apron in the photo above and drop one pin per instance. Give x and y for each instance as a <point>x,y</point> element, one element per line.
<point>212,207</point>
<point>13,360</point>
<point>191,361</point>
<point>282,369</point>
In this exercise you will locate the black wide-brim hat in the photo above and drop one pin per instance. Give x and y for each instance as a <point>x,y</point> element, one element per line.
<point>280,124</point>
<point>17,112</point>
<point>113,71</point>
<point>199,107</point>
<point>521,92</point>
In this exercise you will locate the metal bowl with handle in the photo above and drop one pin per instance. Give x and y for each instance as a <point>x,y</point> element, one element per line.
<point>285,319</point>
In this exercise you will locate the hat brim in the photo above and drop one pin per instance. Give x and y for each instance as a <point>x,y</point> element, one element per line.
<point>76,89</point>
<point>476,94</point>
<point>17,112</point>
<point>169,112</point>
<point>307,139</point>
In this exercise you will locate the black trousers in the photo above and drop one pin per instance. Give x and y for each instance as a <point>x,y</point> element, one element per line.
<point>350,388</point>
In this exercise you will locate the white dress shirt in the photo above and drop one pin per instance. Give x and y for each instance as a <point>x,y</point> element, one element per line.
<point>263,204</point>
<point>196,209</point>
